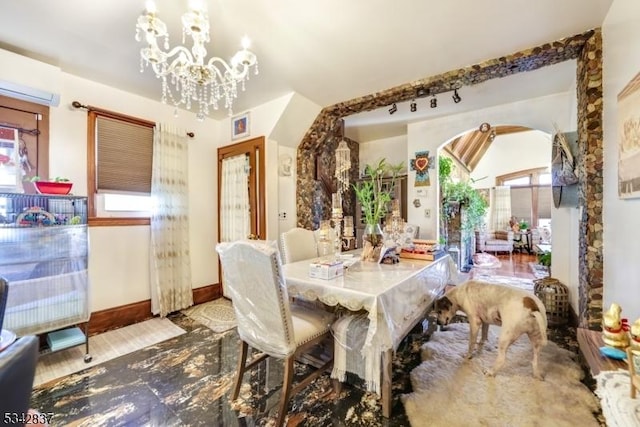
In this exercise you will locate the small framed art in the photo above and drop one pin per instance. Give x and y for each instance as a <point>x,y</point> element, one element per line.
<point>240,126</point>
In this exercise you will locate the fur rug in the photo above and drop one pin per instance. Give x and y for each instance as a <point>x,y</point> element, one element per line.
<point>452,391</point>
<point>618,407</point>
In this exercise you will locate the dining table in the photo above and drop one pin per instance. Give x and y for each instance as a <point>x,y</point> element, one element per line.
<point>394,297</point>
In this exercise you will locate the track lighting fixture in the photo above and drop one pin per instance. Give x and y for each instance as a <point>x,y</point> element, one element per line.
<point>433,102</point>
<point>413,106</point>
<point>456,98</point>
<point>421,92</point>
<point>393,108</point>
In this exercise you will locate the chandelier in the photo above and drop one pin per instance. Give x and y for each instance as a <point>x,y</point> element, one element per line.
<point>186,78</point>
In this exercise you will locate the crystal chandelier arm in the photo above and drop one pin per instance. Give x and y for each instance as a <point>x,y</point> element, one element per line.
<point>235,71</point>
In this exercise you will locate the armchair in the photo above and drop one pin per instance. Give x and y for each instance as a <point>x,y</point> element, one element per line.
<point>494,241</point>
<point>267,321</point>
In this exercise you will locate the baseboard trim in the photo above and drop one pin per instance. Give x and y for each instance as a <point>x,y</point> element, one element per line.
<point>117,317</point>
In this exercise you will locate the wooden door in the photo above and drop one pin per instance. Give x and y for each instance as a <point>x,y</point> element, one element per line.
<point>253,149</point>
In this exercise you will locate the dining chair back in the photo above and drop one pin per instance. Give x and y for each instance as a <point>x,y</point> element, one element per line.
<point>298,244</point>
<point>267,321</point>
<point>17,371</point>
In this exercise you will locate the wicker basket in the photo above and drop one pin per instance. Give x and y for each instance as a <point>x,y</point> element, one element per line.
<point>555,297</point>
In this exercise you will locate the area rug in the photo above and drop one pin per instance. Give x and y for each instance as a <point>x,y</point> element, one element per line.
<point>217,315</point>
<point>539,270</point>
<point>104,347</point>
<point>518,282</point>
<point>450,390</point>
<point>618,408</point>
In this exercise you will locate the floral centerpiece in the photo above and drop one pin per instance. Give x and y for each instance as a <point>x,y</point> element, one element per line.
<point>374,193</point>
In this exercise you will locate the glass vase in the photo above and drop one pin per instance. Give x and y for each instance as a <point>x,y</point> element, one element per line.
<point>372,241</point>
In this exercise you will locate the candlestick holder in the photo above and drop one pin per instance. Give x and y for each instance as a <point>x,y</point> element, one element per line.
<point>336,216</point>
<point>348,238</point>
<point>337,223</point>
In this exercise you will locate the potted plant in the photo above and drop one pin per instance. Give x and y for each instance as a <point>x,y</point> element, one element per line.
<point>57,185</point>
<point>544,261</point>
<point>523,225</point>
<point>374,198</point>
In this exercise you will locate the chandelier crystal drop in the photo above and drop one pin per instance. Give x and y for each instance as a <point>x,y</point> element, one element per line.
<point>187,77</point>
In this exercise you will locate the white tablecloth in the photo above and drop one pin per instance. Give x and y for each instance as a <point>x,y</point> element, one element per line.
<point>394,295</point>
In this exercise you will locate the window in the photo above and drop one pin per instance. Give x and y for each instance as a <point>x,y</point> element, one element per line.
<point>120,154</point>
<point>530,194</point>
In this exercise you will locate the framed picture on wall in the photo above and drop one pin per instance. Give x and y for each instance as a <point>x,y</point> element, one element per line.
<point>629,140</point>
<point>240,126</point>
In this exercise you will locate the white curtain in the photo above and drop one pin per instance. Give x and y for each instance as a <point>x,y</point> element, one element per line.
<point>234,201</point>
<point>170,270</point>
<point>500,208</point>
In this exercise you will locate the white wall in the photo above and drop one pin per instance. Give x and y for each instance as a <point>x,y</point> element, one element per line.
<point>287,213</point>
<point>393,149</point>
<point>621,44</point>
<point>511,153</point>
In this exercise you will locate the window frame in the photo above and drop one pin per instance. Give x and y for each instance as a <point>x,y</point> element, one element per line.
<point>92,185</point>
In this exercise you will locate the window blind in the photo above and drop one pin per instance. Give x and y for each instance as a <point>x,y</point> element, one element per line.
<point>521,203</point>
<point>124,156</point>
<point>544,202</point>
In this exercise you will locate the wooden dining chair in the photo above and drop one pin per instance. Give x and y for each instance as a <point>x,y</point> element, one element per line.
<point>298,244</point>
<point>267,320</point>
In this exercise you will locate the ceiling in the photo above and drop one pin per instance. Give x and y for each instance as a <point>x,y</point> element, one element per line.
<point>469,147</point>
<point>327,51</point>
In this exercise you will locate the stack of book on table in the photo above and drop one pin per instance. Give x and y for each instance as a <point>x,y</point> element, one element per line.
<point>428,250</point>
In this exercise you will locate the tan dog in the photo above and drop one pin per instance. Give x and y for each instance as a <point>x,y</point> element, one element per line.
<point>517,311</point>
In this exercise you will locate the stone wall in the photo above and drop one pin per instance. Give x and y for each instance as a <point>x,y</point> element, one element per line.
<point>586,49</point>
<point>590,160</point>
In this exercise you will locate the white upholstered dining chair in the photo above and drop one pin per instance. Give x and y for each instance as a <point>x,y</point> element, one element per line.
<point>298,244</point>
<point>267,321</point>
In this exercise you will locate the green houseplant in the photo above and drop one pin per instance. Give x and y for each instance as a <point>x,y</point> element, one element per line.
<point>374,193</point>
<point>544,258</point>
<point>458,194</point>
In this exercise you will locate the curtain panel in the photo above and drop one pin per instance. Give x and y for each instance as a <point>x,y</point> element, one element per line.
<point>170,271</point>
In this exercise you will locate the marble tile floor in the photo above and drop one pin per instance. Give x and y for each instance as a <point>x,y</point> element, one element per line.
<point>186,381</point>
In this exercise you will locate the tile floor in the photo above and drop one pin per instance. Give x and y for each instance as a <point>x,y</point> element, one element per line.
<point>187,380</point>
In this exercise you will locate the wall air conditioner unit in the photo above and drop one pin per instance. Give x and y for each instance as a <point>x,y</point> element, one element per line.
<point>26,93</point>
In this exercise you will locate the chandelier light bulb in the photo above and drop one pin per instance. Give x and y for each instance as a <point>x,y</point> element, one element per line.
<point>150,6</point>
<point>246,42</point>
<point>197,5</point>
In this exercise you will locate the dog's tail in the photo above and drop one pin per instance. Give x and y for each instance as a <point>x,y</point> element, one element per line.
<point>541,318</point>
